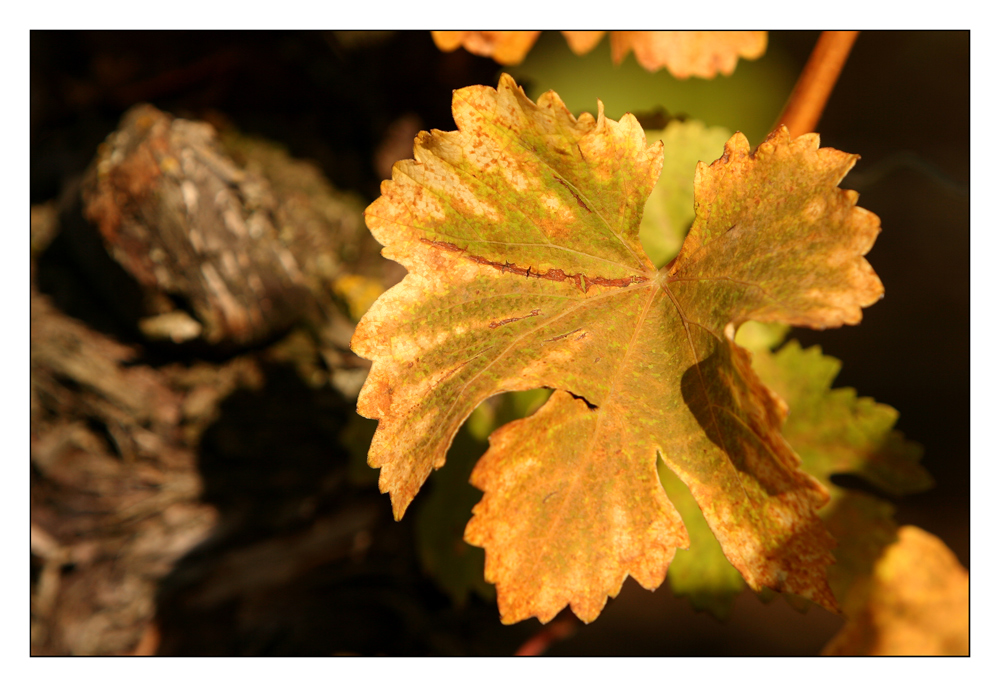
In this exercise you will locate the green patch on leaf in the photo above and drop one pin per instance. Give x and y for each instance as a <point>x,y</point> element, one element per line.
<point>835,432</point>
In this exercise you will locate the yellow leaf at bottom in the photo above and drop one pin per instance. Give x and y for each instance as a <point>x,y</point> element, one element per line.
<point>916,603</point>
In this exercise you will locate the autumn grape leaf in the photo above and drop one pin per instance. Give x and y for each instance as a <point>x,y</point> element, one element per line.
<point>683,53</point>
<point>520,235</point>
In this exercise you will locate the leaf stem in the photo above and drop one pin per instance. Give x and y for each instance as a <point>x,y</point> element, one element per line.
<point>563,626</point>
<point>805,106</point>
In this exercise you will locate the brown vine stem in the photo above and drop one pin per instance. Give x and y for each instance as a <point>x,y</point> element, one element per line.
<point>805,106</point>
<point>563,626</point>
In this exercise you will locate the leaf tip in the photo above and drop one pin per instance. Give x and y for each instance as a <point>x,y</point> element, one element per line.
<point>507,82</point>
<point>736,147</point>
<point>398,508</point>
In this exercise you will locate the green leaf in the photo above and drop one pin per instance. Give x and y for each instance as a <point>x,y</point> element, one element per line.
<point>836,432</point>
<point>456,566</point>
<point>702,573</point>
<point>356,437</point>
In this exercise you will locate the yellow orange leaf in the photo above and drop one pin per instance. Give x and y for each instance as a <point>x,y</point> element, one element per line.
<point>506,47</point>
<point>916,603</point>
<point>582,42</point>
<point>689,53</point>
<point>520,235</point>
<point>683,53</point>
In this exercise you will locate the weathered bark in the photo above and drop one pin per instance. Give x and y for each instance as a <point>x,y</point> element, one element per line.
<point>115,487</point>
<point>225,255</point>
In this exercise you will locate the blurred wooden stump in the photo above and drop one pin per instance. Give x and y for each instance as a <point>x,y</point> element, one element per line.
<point>228,252</point>
<point>236,250</point>
<point>115,488</point>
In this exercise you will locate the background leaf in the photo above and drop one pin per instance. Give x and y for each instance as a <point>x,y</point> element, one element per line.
<point>748,101</point>
<point>683,53</point>
<point>915,604</point>
<point>702,573</point>
<point>689,53</point>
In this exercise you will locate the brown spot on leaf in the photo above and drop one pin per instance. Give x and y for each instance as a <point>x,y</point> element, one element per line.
<point>574,194</point>
<point>534,313</point>
<point>581,281</point>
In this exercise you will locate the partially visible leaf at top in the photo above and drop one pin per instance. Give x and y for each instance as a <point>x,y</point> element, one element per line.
<point>506,47</point>
<point>520,235</point>
<point>684,54</point>
<point>670,208</point>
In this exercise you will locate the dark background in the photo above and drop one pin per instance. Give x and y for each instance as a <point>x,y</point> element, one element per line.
<point>902,103</point>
